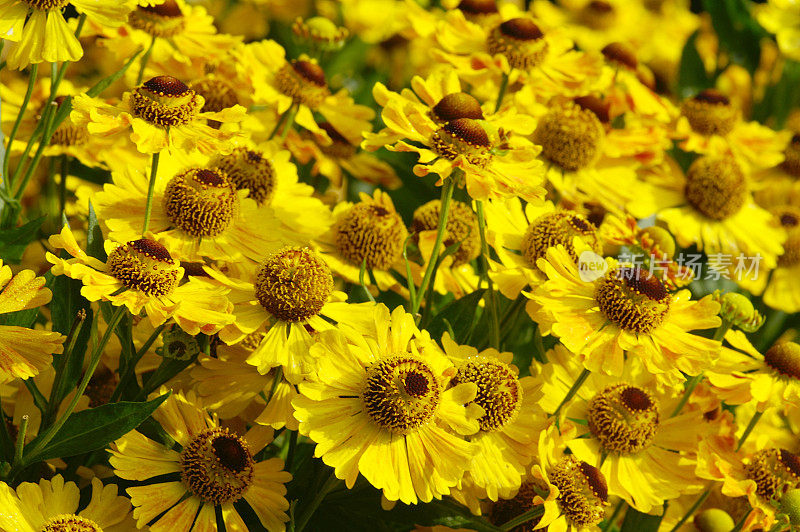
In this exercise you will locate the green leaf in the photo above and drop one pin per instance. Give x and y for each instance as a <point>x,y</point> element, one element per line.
<point>692,77</point>
<point>460,314</point>
<point>95,428</point>
<point>94,246</point>
<point>636,521</point>
<point>781,97</point>
<point>739,34</point>
<point>14,241</point>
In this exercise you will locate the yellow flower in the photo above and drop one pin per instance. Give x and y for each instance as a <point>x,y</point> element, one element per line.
<point>627,309</point>
<point>289,294</point>
<point>646,456</point>
<point>161,113</point>
<point>42,33</point>
<point>24,352</point>
<point>511,421</point>
<point>53,505</point>
<point>142,275</point>
<point>197,212</point>
<point>379,404</point>
<point>782,18</point>
<point>711,125</point>
<point>217,468</point>
<point>450,131</point>
<point>178,31</point>
<point>369,233</point>
<point>745,375</point>
<point>711,206</point>
<point>282,84</point>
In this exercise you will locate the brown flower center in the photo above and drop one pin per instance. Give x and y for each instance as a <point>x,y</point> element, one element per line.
<point>504,510</point>
<point>521,42</point>
<point>620,54</point>
<point>304,82</point>
<point>144,265</point>
<point>623,418</point>
<point>716,187</point>
<point>478,7</point>
<point>162,20</point>
<point>457,105</point>
<point>45,5</point>
<point>251,170</point>
<point>218,94</point>
<point>217,466</point>
<point>633,299</point>
<point>70,523</point>
<point>559,227</point>
<point>774,471</point>
<point>598,15</point>
<point>293,284</point>
<point>583,492</point>
<point>570,137</point>
<point>461,226</point>
<point>165,101</point>
<point>372,233</point>
<point>791,164</point>
<point>463,137</point>
<point>710,113</point>
<point>201,202</point>
<point>499,392</point>
<point>340,147</point>
<point>784,357</point>
<point>401,393</point>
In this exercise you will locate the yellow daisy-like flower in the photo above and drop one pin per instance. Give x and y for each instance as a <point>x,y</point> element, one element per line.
<point>178,31</point>
<point>710,206</point>
<point>711,125</point>
<point>624,428</point>
<point>24,352</point>
<point>626,310</point>
<point>745,375</point>
<point>162,112</point>
<point>449,131</point>
<point>197,213</point>
<point>215,468</point>
<point>369,233</point>
<point>42,33</point>
<point>511,421</point>
<point>517,45</point>
<point>142,275</point>
<point>301,83</point>
<point>521,236</point>
<point>54,505</point>
<point>290,292</point>
<point>379,404</point>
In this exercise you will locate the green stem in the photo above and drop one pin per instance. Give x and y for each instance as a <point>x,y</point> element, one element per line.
<point>318,498</point>
<point>150,188</point>
<point>610,521</point>
<point>25,101</point>
<point>55,399</point>
<point>530,515</point>
<point>572,391</point>
<point>130,367</point>
<point>700,500</point>
<point>47,120</point>
<point>750,426</point>
<point>144,60</point>
<point>289,122</point>
<point>491,301</point>
<point>290,454</point>
<point>719,334</point>
<point>447,194</point>
<point>62,185</point>
<point>691,384</point>
<point>503,87</point>
<point>20,443</point>
<point>93,363</point>
<point>281,120</point>
<point>740,524</point>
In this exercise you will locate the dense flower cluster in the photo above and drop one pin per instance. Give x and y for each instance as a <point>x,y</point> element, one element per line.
<point>330,264</point>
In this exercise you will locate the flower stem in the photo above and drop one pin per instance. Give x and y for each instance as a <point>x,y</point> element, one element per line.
<point>530,515</point>
<point>62,185</point>
<point>318,498</point>
<point>719,334</point>
<point>25,101</point>
<point>447,194</point>
<point>572,391</point>
<point>289,122</point>
<point>700,500</point>
<point>691,384</point>
<point>503,87</point>
<point>150,188</point>
<point>144,60</point>
<point>48,119</point>
<point>20,443</point>
<point>610,521</point>
<point>491,301</point>
<point>750,426</point>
